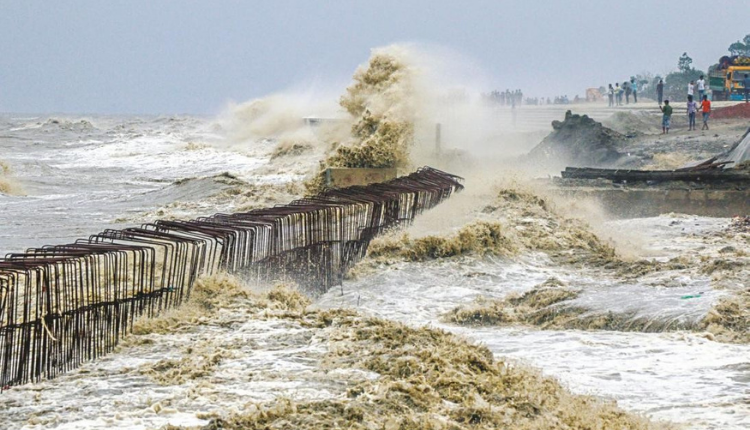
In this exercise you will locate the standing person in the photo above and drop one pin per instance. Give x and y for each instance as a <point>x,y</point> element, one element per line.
<point>701,87</point>
<point>626,88</point>
<point>692,108</point>
<point>618,93</point>
<point>691,88</point>
<point>746,84</point>
<point>610,96</point>
<point>706,109</point>
<point>666,117</point>
<point>634,87</point>
<point>660,91</point>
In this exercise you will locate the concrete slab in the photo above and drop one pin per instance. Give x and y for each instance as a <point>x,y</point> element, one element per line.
<point>636,203</point>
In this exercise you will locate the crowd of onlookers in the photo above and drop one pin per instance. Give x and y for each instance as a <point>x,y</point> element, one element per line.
<point>628,88</point>
<point>693,107</point>
<point>535,101</point>
<point>618,95</point>
<point>515,98</point>
<point>507,97</point>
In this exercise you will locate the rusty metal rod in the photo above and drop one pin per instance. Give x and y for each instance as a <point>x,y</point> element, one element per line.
<point>62,305</point>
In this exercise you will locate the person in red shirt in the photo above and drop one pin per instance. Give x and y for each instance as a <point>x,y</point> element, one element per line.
<point>706,109</point>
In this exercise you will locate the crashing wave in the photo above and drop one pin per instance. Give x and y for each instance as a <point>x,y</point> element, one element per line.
<point>380,101</point>
<point>516,221</point>
<point>420,378</point>
<point>68,125</point>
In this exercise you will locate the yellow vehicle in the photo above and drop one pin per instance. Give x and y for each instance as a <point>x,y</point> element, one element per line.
<point>725,79</point>
<point>735,76</point>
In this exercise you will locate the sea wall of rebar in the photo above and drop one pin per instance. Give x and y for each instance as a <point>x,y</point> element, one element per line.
<point>62,305</point>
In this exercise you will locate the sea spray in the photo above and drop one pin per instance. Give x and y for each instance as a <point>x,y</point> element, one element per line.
<point>8,184</point>
<point>210,294</point>
<point>516,220</point>
<point>224,192</point>
<point>381,102</point>
<point>380,106</point>
<point>385,118</point>
<point>427,378</point>
<point>537,306</point>
<point>729,320</point>
<point>554,308</point>
<point>279,117</point>
<point>420,376</point>
<point>293,131</point>
<point>520,221</point>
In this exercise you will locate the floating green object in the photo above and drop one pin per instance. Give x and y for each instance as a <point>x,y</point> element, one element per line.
<point>692,296</point>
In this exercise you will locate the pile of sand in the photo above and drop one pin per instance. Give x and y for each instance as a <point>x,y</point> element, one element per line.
<point>633,123</point>
<point>578,141</point>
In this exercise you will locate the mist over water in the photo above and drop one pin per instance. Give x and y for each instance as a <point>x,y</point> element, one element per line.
<point>433,86</point>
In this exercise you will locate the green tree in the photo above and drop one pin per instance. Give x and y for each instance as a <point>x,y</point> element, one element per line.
<point>644,80</point>
<point>676,84</point>
<point>741,47</point>
<point>685,63</point>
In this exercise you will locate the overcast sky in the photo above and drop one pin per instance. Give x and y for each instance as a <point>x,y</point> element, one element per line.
<point>194,56</point>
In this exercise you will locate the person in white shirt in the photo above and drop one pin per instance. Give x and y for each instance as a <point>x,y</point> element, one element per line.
<point>701,87</point>
<point>691,87</point>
